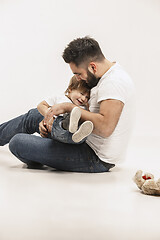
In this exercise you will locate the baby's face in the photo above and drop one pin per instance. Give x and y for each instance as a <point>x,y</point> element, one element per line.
<point>78,97</point>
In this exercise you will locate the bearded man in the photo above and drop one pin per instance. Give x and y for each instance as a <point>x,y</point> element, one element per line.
<point>111,110</point>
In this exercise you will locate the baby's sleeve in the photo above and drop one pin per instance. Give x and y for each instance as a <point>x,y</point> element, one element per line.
<point>50,100</point>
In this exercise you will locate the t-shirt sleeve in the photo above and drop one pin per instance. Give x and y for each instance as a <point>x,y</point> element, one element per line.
<point>50,100</point>
<point>56,99</point>
<point>111,90</point>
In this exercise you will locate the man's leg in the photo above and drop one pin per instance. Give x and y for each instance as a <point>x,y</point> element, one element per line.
<point>66,157</point>
<point>26,123</point>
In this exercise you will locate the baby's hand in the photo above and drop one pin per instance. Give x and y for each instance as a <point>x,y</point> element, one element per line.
<point>42,129</point>
<point>49,124</point>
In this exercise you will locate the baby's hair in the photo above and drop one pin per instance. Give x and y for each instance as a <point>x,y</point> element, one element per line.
<point>81,85</point>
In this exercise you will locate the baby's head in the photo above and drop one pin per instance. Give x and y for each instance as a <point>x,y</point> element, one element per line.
<point>78,92</point>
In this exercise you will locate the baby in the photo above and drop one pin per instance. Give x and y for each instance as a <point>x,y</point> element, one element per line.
<point>68,128</point>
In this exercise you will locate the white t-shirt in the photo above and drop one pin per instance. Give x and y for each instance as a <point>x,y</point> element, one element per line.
<point>114,84</point>
<point>55,99</point>
<point>60,98</point>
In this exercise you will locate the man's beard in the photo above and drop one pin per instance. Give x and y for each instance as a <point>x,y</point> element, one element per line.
<point>91,79</point>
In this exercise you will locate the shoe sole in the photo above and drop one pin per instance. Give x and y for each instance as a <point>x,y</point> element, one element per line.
<point>74,119</point>
<point>84,131</point>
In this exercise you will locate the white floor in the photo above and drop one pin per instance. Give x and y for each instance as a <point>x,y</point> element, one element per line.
<point>48,204</point>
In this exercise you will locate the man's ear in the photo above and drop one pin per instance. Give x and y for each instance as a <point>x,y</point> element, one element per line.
<point>92,67</point>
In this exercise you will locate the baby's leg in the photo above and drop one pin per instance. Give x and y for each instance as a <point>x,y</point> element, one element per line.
<point>71,120</point>
<point>59,133</point>
<point>65,125</point>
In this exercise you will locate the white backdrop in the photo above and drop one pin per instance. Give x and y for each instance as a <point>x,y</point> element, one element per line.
<point>34,33</point>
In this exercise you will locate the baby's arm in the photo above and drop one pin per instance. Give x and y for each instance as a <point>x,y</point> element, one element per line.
<point>43,107</point>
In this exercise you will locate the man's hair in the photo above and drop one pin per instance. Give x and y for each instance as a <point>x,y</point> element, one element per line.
<point>83,50</point>
<point>81,85</point>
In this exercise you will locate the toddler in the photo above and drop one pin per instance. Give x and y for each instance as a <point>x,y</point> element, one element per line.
<point>68,128</point>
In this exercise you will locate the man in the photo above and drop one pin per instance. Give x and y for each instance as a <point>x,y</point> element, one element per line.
<point>111,108</point>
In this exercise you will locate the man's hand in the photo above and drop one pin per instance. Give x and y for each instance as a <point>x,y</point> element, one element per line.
<point>43,129</point>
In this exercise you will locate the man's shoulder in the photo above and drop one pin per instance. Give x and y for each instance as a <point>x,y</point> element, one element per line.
<point>118,76</point>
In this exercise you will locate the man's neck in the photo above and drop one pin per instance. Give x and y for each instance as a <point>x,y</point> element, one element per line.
<point>103,67</point>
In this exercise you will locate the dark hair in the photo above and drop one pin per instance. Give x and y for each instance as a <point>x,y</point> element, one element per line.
<point>82,50</point>
<point>81,85</point>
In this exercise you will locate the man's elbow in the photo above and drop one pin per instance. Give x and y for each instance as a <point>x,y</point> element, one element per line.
<point>105,132</point>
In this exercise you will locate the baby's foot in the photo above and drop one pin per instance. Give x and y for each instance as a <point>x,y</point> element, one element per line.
<point>84,130</point>
<point>74,119</point>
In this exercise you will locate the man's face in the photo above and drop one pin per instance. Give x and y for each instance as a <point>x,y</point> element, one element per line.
<point>92,80</point>
<point>83,74</point>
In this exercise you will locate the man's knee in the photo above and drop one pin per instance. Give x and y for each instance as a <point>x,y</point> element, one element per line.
<point>14,143</point>
<point>34,113</point>
<point>32,120</point>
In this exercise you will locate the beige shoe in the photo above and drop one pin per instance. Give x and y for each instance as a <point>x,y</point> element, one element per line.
<point>84,131</point>
<point>75,115</point>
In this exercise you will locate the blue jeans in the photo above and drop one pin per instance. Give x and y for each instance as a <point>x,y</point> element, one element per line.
<point>60,134</point>
<point>36,151</point>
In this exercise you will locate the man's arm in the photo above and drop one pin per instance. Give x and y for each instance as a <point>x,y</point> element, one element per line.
<point>104,122</point>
